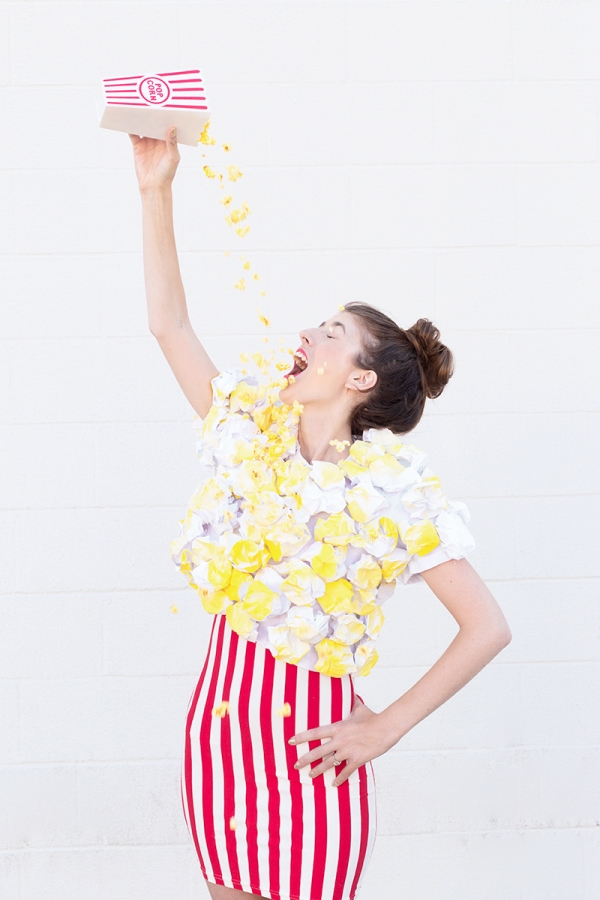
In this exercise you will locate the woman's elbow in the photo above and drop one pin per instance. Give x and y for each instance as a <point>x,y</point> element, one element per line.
<point>500,636</point>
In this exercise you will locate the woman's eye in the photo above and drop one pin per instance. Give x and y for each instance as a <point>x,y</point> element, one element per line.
<point>329,335</point>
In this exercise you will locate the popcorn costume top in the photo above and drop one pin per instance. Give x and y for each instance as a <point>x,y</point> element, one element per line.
<point>300,556</point>
<point>294,560</point>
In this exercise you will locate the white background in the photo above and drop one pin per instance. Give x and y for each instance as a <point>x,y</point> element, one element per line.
<point>436,159</point>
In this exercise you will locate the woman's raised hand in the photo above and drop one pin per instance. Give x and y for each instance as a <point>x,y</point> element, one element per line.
<point>155,161</point>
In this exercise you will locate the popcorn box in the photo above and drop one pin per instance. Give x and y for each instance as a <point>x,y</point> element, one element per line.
<point>148,104</point>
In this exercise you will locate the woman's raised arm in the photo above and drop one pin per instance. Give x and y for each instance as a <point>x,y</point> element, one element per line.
<point>155,165</point>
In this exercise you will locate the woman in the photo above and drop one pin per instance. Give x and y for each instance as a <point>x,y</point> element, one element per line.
<point>309,509</point>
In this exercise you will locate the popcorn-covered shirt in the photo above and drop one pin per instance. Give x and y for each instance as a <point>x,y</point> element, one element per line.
<point>300,556</point>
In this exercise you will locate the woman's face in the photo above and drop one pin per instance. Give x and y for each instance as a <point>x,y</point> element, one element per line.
<point>327,354</point>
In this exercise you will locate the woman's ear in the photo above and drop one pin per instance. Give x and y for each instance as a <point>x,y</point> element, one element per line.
<point>362,380</point>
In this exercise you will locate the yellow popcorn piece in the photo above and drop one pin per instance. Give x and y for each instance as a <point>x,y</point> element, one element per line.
<point>232,822</point>
<point>226,201</point>
<point>233,173</point>
<point>243,397</point>
<point>366,656</point>
<point>214,602</point>
<point>221,710</point>
<point>421,538</point>
<point>288,647</point>
<point>339,445</point>
<point>239,620</point>
<point>341,308</point>
<point>228,253</point>
<point>210,173</point>
<point>219,572</point>
<point>337,597</point>
<point>349,629</point>
<point>174,609</point>
<point>282,366</point>
<point>336,529</point>
<point>243,231</point>
<point>205,138</point>
<point>246,265</point>
<point>325,562</point>
<point>335,659</point>
<point>263,293</point>
<point>226,148</point>
<point>367,574</point>
<point>255,276</point>
<point>232,591</point>
<point>259,599</point>
<point>246,555</point>
<point>320,370</point>
<point>284,711</point>
<point>244,357</point>
<point>375,620</point>
<point>266,322</point>
<point>240,284</point>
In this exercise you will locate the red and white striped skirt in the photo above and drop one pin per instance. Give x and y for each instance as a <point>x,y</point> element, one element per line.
<point>258,824</point>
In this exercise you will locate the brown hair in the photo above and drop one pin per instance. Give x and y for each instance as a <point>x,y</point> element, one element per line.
<point>411,365</point>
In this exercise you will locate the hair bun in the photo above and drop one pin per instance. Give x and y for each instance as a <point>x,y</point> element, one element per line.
<point>436,359</point>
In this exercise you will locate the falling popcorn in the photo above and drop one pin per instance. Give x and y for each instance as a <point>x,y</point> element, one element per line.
<point>226,148</point>
<point>174,609</point>
<point>342,308</point>
<point>228,253</point>
<point>244,357</point>
<point>205,138</point>
<point>339,445</point>
<point>221,710</point>
<point>263,293</point>
<point>243,231</point>
<point>255,276</point>
<point>320,370</point>
<point>282,366</point>
<point>240,284</point>
<point>226,200</point>
<point>284,711</point>
<point>234,173</point>
<point>209,172</point>
<point>232,824</point>
<point>263,318</point>
<point>246,265</point>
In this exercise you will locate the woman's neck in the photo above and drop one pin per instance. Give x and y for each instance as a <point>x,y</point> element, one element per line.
<point>316,428</point>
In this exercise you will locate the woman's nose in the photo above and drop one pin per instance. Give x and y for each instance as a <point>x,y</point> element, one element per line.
<point>305,335</point>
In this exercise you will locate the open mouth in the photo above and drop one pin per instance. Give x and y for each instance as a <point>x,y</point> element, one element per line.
<point>299,366</point>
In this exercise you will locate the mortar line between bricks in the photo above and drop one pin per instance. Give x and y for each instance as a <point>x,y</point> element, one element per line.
<point>469,832</point>
<point>175,761</point>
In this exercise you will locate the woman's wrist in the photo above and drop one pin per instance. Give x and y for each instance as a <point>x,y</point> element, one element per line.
<point>156,193</point>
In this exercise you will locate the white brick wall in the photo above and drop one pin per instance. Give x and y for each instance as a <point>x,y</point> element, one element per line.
<point>434,158</point>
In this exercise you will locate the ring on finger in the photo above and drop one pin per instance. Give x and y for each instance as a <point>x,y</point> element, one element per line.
<point>337,762</point>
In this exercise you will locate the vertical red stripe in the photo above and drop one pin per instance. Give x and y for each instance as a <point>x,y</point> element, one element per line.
<point>266,725</point>
<point>289,729</point>
<point>228,768</point>
<point>188,752</point>
<point>206,758</point>
<point>364,827</point>
<point>343,799</point>
<point>320,798</point>
<point>248,761</point>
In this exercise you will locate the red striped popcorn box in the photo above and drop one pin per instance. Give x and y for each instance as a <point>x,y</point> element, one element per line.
<point>148,104</point>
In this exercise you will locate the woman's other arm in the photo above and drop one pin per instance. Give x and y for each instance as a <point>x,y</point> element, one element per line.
<point>156,163</point>
<point>483,633</point>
